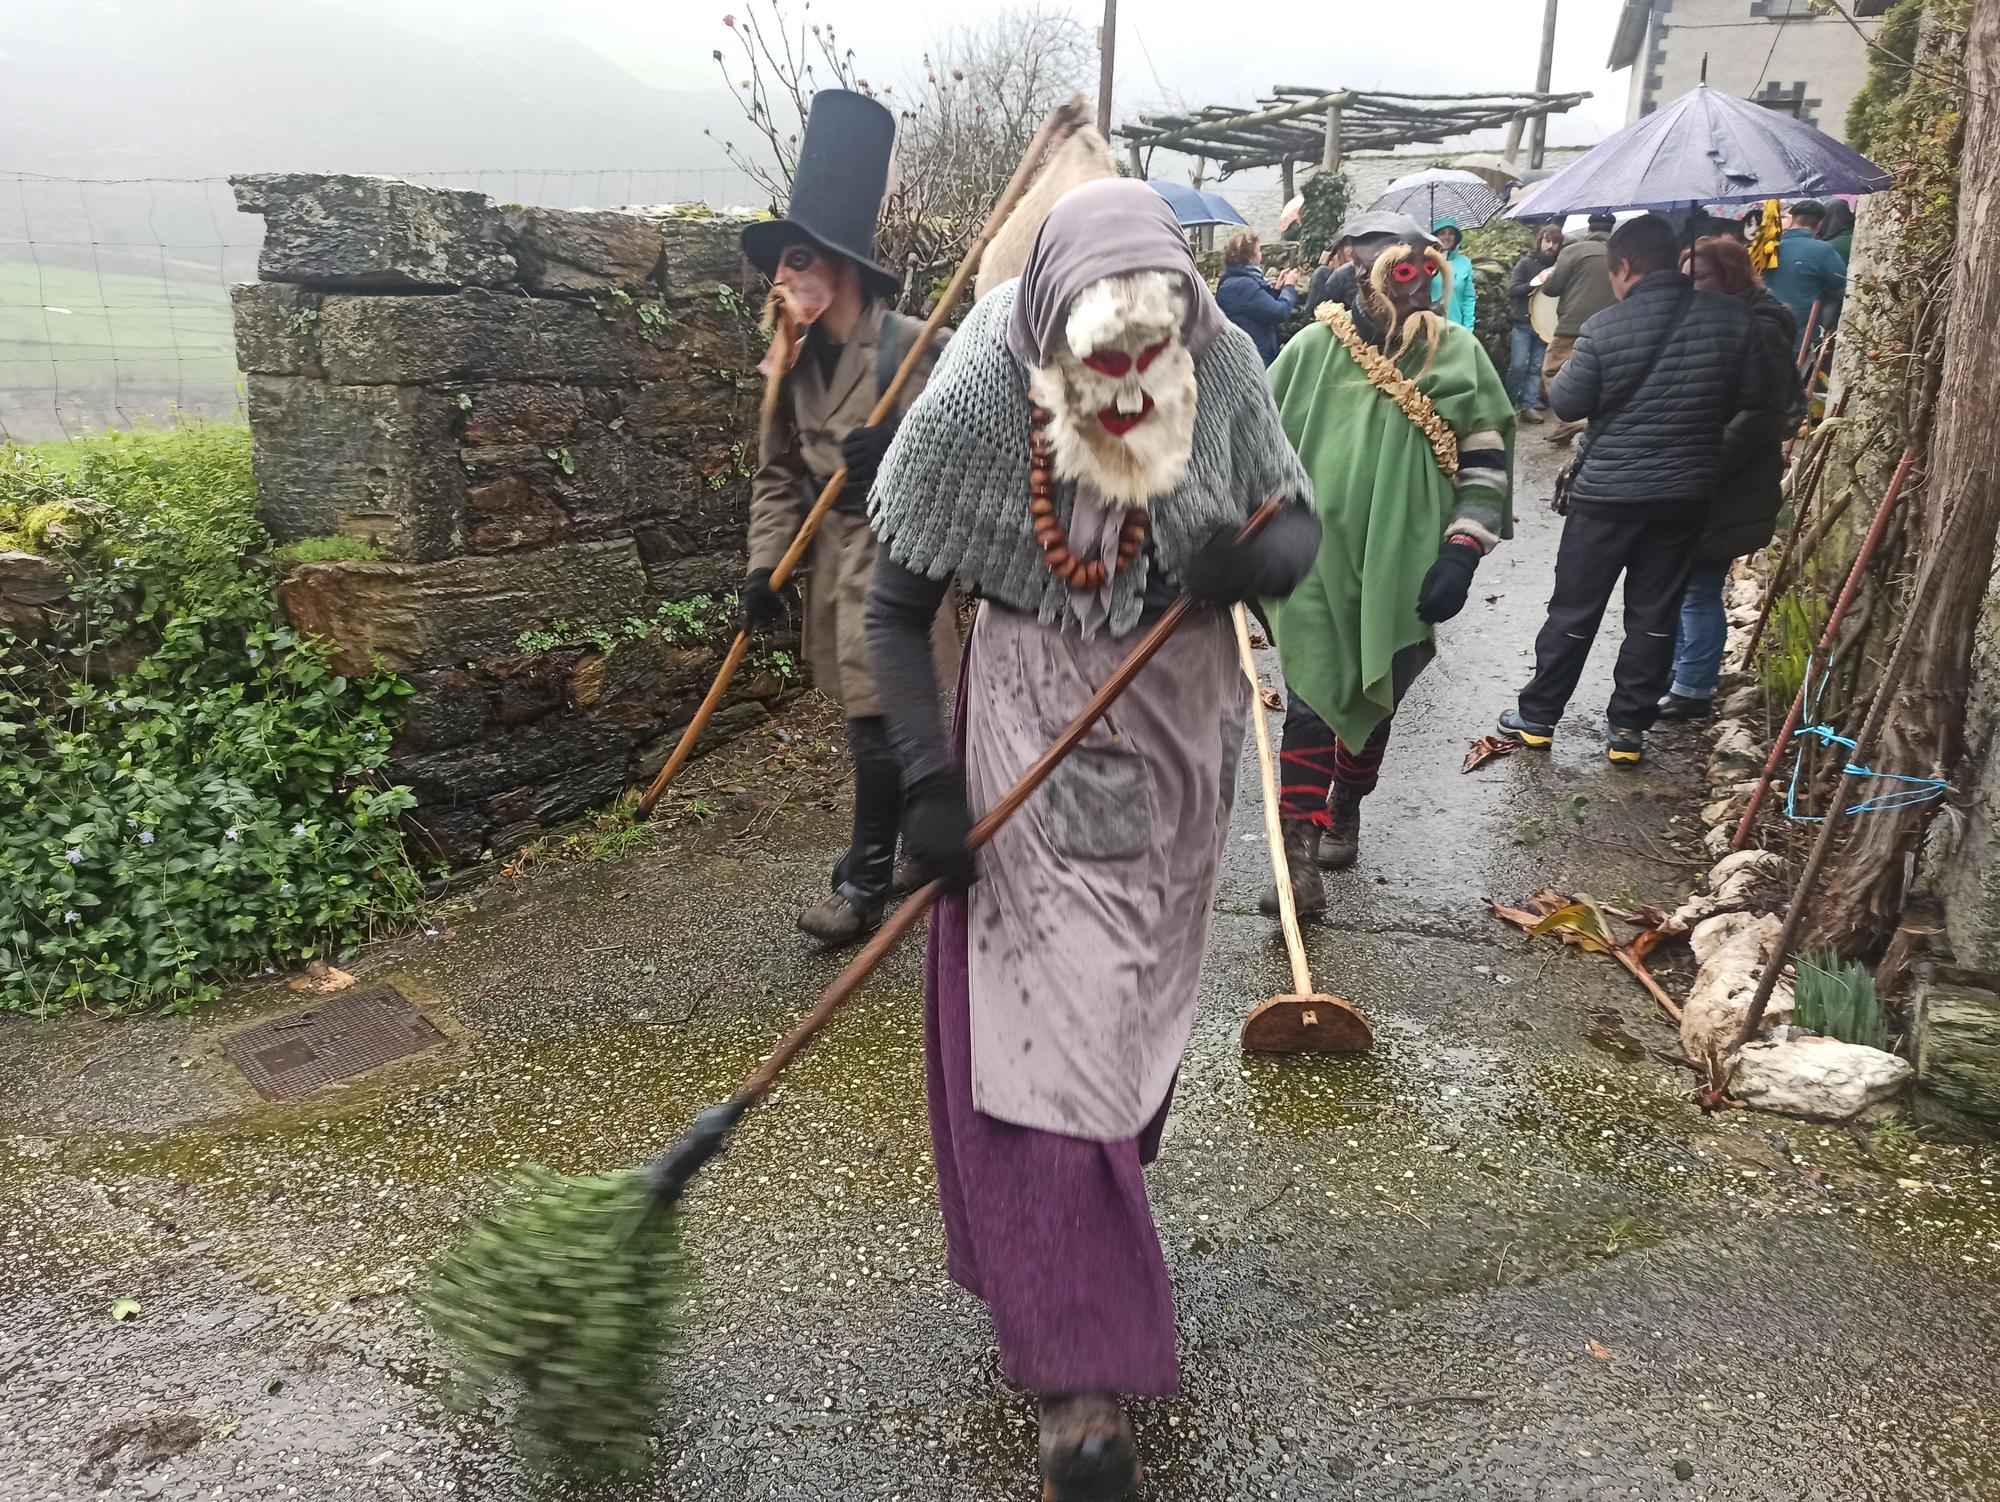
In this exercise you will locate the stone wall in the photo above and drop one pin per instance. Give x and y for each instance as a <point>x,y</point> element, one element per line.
<point>543,423</point>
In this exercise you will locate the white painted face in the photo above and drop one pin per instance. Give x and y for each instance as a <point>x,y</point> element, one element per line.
<point>1120,391</point>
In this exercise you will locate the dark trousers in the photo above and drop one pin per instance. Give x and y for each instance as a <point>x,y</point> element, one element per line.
<point>1313,760</point>
<point>1656,558</point>
<point>865,870</point>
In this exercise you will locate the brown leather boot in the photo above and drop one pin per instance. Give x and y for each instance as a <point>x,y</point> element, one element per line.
<point>1302,838</point>
<point>1087,1450</point>
<point>1340,846</point>
<point>841,917</point>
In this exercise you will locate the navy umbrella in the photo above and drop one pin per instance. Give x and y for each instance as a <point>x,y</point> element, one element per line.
<point>1705,147</point>
<point>1193,207</point>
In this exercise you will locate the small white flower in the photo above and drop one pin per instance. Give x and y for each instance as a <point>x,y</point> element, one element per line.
<point>284,889</point>
<point>232,833</point>
<point>255,655</point>
<point>131,823</point>
<point>368,735</point>
<point>430,933</point>
<point>112,705</point>
<point>270,969</point>
<point>74,855</point>
<point>118,562</point>
<point>145,837</point>
<point>299,830</point>
<point>70,916</point>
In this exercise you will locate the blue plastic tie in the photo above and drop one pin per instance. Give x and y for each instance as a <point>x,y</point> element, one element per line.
<point>1910,792</point>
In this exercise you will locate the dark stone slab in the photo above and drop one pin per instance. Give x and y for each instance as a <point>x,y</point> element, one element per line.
<point>417,616</point>
<point>486,336</point>
<point>376,463</point>
<point>585,251</point>
<point>378,234</point>
<point>276,329</point>
<point>1956,1033</point>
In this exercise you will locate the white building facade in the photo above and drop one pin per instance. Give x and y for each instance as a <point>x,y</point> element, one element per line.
<point>1779,53</point>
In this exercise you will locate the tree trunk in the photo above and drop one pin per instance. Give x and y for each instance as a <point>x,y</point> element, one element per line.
<point>1924,734</point>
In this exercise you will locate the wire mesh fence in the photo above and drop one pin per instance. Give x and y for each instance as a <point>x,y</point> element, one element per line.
<point>114,292</point>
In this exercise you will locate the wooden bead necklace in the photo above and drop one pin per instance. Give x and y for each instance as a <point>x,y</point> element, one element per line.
<point>1049,534</point>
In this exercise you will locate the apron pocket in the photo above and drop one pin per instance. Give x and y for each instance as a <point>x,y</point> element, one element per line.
<point>1098,806</point>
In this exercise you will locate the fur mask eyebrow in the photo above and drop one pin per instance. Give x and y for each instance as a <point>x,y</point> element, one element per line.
<point>1150,303</point>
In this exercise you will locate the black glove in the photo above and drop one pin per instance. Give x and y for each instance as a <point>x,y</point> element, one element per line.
<point>1449,580</point>
<point>761,604</point>
<point>935,824</point>
<point>861,451</point>
<point>1268,565</point>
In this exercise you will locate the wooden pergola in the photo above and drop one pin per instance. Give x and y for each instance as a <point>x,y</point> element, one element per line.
<point>1297,125</point>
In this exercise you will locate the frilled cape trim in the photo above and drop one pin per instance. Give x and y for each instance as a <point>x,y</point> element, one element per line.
<point>1386,378</point>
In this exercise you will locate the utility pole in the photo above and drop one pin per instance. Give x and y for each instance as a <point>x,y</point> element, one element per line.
<point>1542,76</point>
<point>1107,51</point>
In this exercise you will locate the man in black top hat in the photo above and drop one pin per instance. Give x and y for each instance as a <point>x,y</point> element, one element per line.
<point>835,349</point>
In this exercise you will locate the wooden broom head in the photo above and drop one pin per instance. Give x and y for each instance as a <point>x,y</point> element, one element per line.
<point>1306,1024</point>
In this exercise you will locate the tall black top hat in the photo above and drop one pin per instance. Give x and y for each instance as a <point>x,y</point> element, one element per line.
<point>837,190</point>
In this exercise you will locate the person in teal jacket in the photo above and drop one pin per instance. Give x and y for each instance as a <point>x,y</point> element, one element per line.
<point>1464,295</point>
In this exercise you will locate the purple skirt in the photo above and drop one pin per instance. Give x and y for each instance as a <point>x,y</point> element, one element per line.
<point>1053,1232</point>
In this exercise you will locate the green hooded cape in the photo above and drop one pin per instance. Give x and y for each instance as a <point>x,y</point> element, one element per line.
<point>1385,506</point>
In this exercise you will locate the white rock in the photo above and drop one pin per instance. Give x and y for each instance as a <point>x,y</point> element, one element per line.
<point>1731,948</point>
<point>1744,593</point>
<point>1735,746</point>
<point>1820,1077</point>
<point>1717,841</point>
<point>1740,880</point>
<point>1742,703</point>
<point>1724,810</point>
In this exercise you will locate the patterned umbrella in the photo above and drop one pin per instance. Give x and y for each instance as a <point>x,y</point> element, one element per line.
<point>1705,147</point>
<point>1441,193</point>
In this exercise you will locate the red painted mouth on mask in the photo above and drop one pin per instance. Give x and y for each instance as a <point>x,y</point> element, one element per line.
<point>1118,424</point>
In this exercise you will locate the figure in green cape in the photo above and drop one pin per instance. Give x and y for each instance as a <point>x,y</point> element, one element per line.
<point>1405,429</point>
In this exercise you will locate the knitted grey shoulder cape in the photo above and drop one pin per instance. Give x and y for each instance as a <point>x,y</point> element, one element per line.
<point>951,497</point>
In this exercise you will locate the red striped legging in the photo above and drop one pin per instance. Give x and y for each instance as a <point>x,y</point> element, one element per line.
<point>1313,759</point>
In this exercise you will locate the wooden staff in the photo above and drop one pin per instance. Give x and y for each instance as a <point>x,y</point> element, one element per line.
<point>1061,122</point>
<point>1864,741</point>
<point>1304,1021</point>
<point>1833,620</point>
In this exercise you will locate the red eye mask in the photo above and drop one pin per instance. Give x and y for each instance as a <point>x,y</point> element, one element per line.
<point>1407,271</point>
<point>1117,364</point>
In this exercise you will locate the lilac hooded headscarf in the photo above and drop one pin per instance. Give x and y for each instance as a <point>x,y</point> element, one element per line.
<point>1103,229</point>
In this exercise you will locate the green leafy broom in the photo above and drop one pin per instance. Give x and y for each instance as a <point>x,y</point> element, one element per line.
<point>572,1292</point>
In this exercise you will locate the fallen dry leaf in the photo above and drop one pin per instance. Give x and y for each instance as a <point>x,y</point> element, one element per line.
<point>1596,1349</point>
<point>1271,697</point>
<point>321,979</point>
<point>1488,748</point>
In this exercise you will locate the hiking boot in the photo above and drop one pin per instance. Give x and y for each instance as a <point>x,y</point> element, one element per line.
<point>1340,843</point>
<point>1086,1450</point>
<point>841,917</point>
<point>1301,846</point>
<point>1625,747</point>
<point>1527,732</point>
<point>1534,415</point>
<point>905,878</point>
<point>1676,707</point>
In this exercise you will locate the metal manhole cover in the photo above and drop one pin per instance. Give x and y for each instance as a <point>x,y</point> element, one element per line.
<point>294,1055</point>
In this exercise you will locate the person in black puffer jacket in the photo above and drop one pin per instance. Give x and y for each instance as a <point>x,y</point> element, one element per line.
<point>1659,375</point>
<point>1745,511</point>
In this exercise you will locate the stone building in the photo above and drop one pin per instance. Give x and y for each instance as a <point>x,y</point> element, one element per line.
<point>1782,54</point>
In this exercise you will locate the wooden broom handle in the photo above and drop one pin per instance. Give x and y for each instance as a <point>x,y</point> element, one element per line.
<point>1288,911</point>
<point>900,922</point>
<point>1063,121</point>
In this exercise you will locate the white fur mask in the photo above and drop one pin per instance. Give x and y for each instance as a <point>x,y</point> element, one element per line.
<point>1120,390</point>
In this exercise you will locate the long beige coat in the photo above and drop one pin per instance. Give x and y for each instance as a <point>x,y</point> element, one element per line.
<point>797,452</point>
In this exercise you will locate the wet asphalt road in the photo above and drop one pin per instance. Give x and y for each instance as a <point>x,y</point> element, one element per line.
<point>1501,1257</point>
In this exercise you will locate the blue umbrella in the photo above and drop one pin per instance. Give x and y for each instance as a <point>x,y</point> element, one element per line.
<point>1192,206</point>
<point>1705,147</point>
